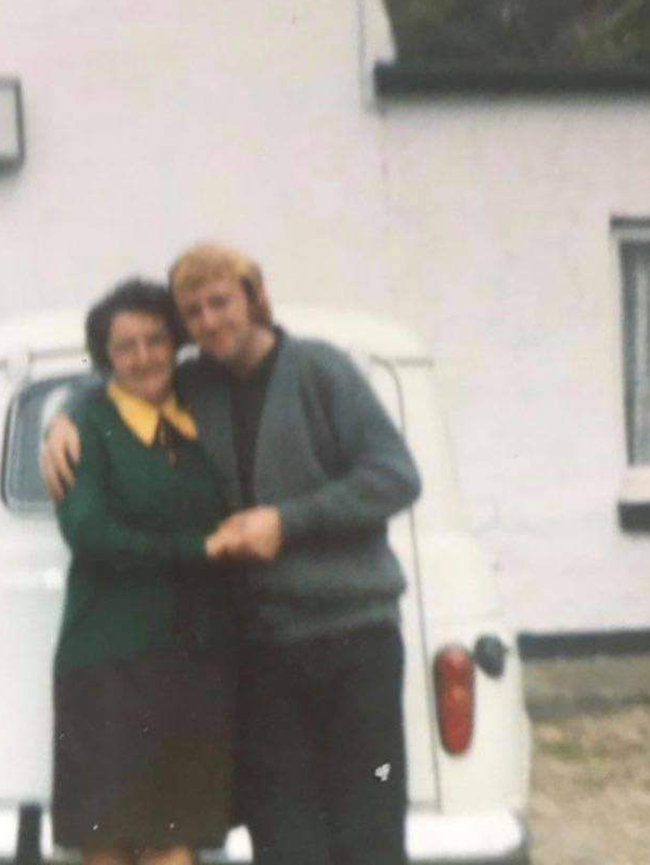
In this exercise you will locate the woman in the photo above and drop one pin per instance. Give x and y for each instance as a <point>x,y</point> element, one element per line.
<point>144,666</point>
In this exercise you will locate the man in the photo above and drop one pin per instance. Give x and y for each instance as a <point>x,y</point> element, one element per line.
<point>313,468</point>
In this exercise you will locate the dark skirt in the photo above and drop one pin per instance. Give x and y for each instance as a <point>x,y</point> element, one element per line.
<point>143,752</point>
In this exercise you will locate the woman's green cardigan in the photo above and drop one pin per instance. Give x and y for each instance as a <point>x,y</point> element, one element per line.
<point>139,579</point>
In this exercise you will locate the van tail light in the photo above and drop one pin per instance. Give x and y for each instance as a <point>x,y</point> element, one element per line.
<point>453,671</point>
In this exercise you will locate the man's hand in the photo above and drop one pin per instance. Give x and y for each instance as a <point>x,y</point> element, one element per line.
<point>251,535</point>
<point>59,455</point>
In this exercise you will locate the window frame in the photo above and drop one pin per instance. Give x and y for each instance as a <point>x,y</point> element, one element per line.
<point>634,498</point>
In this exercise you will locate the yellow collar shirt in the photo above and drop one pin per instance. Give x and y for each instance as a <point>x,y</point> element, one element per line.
<point>143,418</point>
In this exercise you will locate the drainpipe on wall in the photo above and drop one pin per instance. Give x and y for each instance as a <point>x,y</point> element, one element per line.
<point>375,45</point>
<point>12,134</point>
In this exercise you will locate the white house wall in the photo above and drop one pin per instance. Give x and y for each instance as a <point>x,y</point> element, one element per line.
<point>484,223</point>
<point>500,214</point>
<point>153,123</point>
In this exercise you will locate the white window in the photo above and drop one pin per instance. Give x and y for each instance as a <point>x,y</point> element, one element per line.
<point>634,251</point>
<point>632,237</point>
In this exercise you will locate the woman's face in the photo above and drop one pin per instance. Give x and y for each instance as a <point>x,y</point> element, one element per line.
<point>141,352</point>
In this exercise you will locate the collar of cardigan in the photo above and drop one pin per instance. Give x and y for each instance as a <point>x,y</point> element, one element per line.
<point>142,417</point>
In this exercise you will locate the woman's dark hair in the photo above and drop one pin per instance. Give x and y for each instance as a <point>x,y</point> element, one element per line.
<point>132,295</point>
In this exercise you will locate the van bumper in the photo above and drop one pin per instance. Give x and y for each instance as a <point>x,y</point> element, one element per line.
<point>487,838</point>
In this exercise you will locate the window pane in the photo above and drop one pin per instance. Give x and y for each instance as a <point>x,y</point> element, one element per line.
<point>636,304</point>
<point>30,413</point>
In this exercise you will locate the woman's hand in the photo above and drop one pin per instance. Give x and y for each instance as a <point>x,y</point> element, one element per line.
<point>251,535</point>
<point>222,542</point>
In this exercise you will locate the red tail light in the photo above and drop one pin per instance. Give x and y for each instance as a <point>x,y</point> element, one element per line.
<point>454,688</point>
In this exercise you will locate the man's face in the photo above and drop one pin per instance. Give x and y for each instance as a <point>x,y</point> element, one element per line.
<point>217,317</point>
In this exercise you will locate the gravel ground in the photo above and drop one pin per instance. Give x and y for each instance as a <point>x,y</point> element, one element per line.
<point>591,768</point>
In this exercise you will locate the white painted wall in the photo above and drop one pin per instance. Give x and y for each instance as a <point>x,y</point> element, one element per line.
<point>483,222</point>
<point>153,123</point>
<point>500,212</point>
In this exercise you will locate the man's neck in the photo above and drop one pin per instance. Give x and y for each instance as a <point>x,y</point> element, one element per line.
<point>261,344</point>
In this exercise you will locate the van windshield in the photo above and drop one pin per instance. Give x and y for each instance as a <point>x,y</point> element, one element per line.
<point>29,415</point>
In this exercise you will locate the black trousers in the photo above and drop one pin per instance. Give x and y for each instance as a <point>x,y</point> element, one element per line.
<point>323,763</point>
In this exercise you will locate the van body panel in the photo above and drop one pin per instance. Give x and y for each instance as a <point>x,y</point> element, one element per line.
<point>452,596</point>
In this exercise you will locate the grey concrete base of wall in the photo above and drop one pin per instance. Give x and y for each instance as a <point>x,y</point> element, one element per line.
<point>564,686</point>
<point>582,644</point>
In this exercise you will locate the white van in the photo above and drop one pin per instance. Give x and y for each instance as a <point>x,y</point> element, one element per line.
<point>467,730</point>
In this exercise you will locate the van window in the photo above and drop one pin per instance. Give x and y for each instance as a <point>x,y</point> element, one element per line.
<point>29,414</point>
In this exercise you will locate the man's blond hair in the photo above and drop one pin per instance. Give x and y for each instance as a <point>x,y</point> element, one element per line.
<point>206,262</point>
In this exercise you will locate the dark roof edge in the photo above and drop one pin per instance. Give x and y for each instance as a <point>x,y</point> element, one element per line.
<point>629,221</point>
<point>414,79</point>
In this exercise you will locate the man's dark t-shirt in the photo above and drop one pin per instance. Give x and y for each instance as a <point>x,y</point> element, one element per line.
<point>247,399</point>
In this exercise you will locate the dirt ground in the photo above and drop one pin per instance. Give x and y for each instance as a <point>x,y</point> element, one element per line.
<point>591,766</point>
